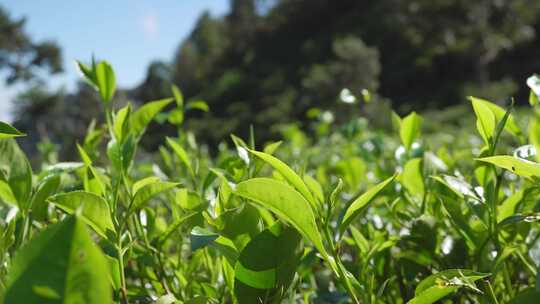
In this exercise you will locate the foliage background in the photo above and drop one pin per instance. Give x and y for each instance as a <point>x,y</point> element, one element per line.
<point>267,63</point>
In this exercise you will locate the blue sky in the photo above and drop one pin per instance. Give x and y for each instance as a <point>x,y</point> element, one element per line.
<point>127,33</point>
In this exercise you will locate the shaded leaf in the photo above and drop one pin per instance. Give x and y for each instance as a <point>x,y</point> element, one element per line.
<point>266,266</point>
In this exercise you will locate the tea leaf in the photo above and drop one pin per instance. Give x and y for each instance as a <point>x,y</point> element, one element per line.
<point>288,174</point>
<point>515,165</point>
<point>60,265</point>
<point>286,202</point>
<point>438,285</point>
<point>359,204</point>
<point>8,131</point>
<point>142,117</point>
<point>94,209</point>
<point>105,80</point>
<point>410,128</point>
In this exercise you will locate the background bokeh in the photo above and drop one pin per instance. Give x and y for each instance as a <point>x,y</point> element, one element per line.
<point>265,63</point>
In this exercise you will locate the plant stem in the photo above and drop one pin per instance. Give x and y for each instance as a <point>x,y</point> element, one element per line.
<point>123,288</point>
<point>341,274</point>
<point>491,293</point>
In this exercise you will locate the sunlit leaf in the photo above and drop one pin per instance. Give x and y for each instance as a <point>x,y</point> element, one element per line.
<point>8,131</point>
<point>443,283</point>
<point>94,209</point>
<point>289,175</point>
<point>515,165</point>
<point>60,265</point>
<point>148,191</point>
<point>39,200</point>
<point>105,80</point>
<point>197,104</point>
<point>359,204</point>
<point>144,115</point>
<point>286,202</point>
<point>181,154</point>
<point>410,128</point>
<point>14,163</point>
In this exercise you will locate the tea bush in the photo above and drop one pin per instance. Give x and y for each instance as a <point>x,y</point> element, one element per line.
<point>354,215</point>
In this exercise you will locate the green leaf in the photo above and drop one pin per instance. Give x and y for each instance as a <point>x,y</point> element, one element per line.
<point>533,98</point>
<point>178,96</point>
<point>148,191</point>
<point>534,134</point>
<point>517,218</point>
<point>488,116</point>
<point>60,265</point>
<point>438,285</point>
<point>18,171</point>
<point>121,154</point>
<point>359,204</point>
<point>527,296</point>
<point>176,117</point>
<point>197,104</point>
<point>121,123</point>
<point>167,299</point>
<point>181,154</point>
<point>201,237</point>
<point>94,209</point>
<point>142,117</point>
<point>105,80</point>
<point>39,201</point>
<point>84,156</point>
<point>6,195</point>
<point>410,128</point>
<point>88,73</point>
<point>143,182</point>
<point>485,119</point>
<point>114,272</point>
<point>286,202</point>
<point>534,84</point>
<point>508,206</point>
<point>412,178</point>
<point>516,165</point>
<point>315,188</point>
<point>432,294</point>
<point>289,175</point>
<point>240,221</point>
<point>267,264</point>
<point>174,226</point>
<point>8,131</point>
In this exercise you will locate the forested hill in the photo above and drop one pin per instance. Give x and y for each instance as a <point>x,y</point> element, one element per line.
<point>268,62</point>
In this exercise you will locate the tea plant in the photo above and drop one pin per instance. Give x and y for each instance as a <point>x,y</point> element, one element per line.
<point>352,216</point>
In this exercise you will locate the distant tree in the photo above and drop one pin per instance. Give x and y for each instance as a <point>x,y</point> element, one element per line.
<point>198,56</point>
<point>157,83</point>
<point>21,57</point>
<point>242,22</point>
<point>56,116</point>
<point>353,65</point>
